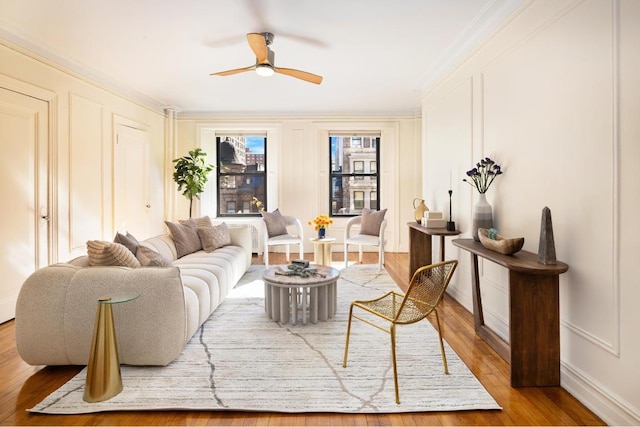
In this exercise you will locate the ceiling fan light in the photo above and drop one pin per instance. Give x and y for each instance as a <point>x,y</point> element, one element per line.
<point>264,70</point>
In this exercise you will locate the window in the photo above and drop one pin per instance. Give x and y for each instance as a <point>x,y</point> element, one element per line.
<point>358,169</point>
<point>358,199</point>
<point>241,174</point>
<point>353,187</point>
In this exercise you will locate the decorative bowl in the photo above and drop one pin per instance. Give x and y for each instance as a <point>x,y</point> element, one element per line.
<point>501,244</point>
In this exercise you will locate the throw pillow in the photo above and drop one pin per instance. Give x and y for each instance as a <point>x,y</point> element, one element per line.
<point>214,237</point>
<point>110,254</point>
<point>203,221</point>
<point>150,258</point>
<point>371,221</point>
<point>275,223</point>
<point>128,241</point>
<point>185,237</point>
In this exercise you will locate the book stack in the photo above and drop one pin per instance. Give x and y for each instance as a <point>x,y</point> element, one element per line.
<point>433,219</point>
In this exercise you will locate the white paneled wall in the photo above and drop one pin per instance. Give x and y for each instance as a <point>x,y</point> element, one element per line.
<point>82,123</point>
<point>548,98</point>
<point>298,166</point>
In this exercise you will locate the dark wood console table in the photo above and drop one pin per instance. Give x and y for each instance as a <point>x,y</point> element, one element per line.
<point>420,245</point>
<point>534,314</point>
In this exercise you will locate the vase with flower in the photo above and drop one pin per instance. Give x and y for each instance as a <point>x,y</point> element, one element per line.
<point>320,224</point>
<point>481,177</point>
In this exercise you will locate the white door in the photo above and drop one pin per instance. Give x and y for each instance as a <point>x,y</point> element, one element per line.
<point>131,196</point>
<point>24,240</point>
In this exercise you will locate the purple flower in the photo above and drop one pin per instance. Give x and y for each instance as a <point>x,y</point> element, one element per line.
<point>483,174</point>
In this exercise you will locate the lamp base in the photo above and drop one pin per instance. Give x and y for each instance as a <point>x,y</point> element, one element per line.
<point>451,226</point>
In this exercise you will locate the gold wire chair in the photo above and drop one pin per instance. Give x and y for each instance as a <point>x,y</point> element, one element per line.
<point>425,292</point>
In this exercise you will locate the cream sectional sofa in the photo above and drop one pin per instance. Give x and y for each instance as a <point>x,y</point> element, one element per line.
<point>57,305</point>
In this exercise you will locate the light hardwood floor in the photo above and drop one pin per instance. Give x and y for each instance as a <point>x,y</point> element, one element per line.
<point>22,386</point>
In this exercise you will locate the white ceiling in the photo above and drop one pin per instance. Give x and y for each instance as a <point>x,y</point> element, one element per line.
<point>376,56</point>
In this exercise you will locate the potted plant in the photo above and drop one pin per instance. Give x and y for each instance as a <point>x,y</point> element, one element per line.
<point>192,173</point>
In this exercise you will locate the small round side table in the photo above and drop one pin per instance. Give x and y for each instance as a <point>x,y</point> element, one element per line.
<point>322,250</point>
<point>103,369</point>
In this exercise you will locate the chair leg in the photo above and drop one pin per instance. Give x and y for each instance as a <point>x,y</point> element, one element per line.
<point>360,254</point>
<point>301,251</point>
<point>346,345</point>
<point>288,253</point>
<point>346,256</point>
<point>444,356</point>
<point>265,257</point>
<point>393,360</point>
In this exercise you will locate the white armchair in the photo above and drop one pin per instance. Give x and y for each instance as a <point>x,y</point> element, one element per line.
<point>290,238</point>
<point>363,240</point>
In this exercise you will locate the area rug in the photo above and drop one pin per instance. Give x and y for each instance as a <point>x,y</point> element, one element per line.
<point>240,360</point>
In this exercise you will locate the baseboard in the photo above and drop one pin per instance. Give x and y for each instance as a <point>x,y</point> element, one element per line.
<point>612,409</point>
<point>7,308</point>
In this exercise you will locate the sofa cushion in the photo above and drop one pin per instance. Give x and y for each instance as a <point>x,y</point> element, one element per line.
<point>185,237</point>
<point>110,254</point>
<point>128,240</point>
<point>371,221</point>
<point>214,237</point>
<point>150,258</point>
<point>276,226</point>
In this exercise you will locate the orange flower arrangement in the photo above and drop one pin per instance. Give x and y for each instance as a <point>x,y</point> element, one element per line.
<point>321,222</point>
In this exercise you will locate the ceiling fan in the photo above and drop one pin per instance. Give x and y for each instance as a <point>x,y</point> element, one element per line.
<point>264,66</point>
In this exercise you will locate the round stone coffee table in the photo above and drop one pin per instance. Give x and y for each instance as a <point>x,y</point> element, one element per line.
<point>314,296</point>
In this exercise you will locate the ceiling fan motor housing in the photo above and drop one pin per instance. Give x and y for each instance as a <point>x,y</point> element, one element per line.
<point>268,38</point>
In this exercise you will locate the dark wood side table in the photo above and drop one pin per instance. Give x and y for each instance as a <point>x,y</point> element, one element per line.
<point>420,245</point>
<point>533,351</point>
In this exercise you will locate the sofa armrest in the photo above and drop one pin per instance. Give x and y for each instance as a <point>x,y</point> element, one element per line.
<point>241,236</point>
<point>56,310</point>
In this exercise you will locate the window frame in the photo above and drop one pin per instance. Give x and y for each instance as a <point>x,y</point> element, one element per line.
<point>335,175</point>
<point>222,210</point>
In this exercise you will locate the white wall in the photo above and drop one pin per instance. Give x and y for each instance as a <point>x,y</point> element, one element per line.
<point>84,116</point>
<point>298,166</point>
<point>553,97</point>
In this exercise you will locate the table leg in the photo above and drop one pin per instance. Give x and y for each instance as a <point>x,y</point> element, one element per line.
<point>326,256</point>
<point>333,298</point>
<point>323,309</point>
<point>419,250</point>
<point>274,291</point>
<point>317,253</point>
<point>267,300</point>
<point>284,305</point>
<point>314,305</point>
<point>305,306</point>
<point>478,316</point>
<point>103,370</point>
<point>294,306</point>
<point>534,329</point>
<point>494,340</point>
<point>441,248</point>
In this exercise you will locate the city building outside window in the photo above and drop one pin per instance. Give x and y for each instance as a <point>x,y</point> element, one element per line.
<point>355,182</point>
<point>241,174</point>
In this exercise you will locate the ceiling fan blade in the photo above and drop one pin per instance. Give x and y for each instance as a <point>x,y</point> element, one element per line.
<point>302,75</point>
<point>258,45</point>
<point>234,71</point>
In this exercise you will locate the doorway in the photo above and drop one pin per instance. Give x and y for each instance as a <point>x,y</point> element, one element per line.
<point>24,177</point>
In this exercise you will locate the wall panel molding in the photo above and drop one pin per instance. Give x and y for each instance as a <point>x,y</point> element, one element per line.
<point>86,189</point>
<point>611,343</point>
